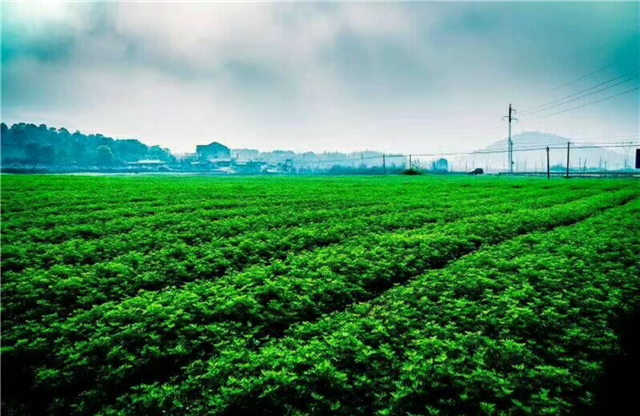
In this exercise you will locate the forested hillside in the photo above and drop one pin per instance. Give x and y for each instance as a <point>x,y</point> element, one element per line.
<point>28,144</point>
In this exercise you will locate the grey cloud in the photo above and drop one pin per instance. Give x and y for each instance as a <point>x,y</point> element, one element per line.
<point>315,75</point>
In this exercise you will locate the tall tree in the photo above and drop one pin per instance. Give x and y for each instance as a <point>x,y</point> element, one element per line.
<point>104,156</point>
<point>32,151</point>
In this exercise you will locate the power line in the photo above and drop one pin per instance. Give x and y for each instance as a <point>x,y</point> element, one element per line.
<point>528,149</point>
<point>586,76</point>
<point>572,95</point>
<point>576,145</point>
<point>608,145</point>
<point>355,159</point>
<point>587,104</point>
<point>580,97</point>
<point>604,144</point>
<point>606,137</point>
<point>579,146</point>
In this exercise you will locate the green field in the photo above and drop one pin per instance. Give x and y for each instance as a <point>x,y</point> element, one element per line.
<point>318,295</point>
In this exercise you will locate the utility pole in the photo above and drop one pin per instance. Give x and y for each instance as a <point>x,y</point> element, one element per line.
<point>510,117</point>
<point>384,164</point>
<point>510,143</point>
<point>410,164</point>
<point>548,167</point>
<point>568,152</point>
<point>626,147</point>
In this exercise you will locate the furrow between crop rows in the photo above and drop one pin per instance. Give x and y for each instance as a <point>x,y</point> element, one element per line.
<point>521,327</point>
<point>60,290</point>
<point>177,222</point>
<point>66,198</point>
<point>42,256</point>
<point>102,352</point>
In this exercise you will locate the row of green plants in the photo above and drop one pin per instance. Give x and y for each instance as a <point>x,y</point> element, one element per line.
<point>58,282</point>
<point>17,226</point>
<point>112,282</point>
<point>93,356</point>
<point>47,196</point>
<point>206,209</point>
<point>224,222</point>
<point>524,327</point>
<point>51,196</point>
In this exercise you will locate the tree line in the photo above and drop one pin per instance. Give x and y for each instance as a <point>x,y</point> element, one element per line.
<point>29,144</point>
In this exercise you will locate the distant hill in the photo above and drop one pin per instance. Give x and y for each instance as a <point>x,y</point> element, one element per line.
<point>594,157</point>
<point>28,144</point>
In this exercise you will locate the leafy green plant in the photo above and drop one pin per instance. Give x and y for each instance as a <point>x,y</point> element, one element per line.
<point>311,295</point>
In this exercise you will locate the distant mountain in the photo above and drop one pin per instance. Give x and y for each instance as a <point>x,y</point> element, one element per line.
<point>536,159</point>
<point>530,139</point>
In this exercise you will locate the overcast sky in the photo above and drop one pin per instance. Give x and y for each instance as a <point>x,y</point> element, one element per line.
<point>395,77</point>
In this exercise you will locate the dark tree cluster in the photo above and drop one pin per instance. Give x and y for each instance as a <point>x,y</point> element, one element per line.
<point>28,144</point>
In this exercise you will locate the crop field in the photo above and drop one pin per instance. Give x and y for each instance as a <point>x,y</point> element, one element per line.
<point>313,295</point>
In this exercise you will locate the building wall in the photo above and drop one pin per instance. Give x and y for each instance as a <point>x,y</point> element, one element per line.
<point>213,151</point>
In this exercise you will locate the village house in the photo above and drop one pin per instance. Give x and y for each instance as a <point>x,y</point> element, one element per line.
<point>214,153</point>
